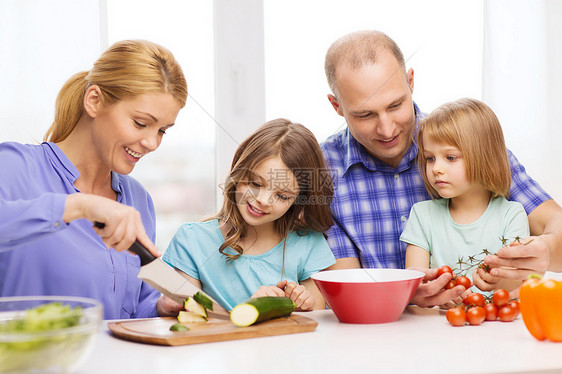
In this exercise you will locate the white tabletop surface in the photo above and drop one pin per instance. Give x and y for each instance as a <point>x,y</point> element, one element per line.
<point>421,341</point>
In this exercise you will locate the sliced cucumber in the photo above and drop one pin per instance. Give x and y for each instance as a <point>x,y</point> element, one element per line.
<point>203,300</point>
<point>190,317</point>
<point>193,306</point>
<point>179,327</point>
<point>261,309</point>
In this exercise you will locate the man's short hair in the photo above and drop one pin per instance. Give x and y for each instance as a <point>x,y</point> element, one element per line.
<point>357,49</point>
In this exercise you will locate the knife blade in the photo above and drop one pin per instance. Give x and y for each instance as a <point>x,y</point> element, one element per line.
<point>164,277</point>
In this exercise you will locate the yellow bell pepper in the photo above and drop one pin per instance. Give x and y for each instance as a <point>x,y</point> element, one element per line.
<point>541,308</point>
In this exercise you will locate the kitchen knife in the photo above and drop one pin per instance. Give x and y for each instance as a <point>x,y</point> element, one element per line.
<point>163,277</point>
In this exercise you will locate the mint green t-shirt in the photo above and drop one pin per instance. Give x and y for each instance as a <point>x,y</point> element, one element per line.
<point>194,250</point>
<point>431,227</point>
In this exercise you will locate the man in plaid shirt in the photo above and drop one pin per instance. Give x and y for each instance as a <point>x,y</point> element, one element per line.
<point>376,179</point>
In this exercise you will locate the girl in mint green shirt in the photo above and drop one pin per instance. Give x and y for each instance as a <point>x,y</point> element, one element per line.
<point>465,168</point>
<point>267,240</point>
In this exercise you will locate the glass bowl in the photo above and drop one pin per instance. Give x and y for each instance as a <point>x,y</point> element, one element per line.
<point>46,334</point>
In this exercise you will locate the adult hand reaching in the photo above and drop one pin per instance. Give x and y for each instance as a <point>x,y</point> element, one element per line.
<point>520,259</point>
<point>431,290</point>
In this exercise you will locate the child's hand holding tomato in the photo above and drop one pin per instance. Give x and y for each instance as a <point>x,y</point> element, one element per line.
<point>484,280</point>
<point>432,290</point>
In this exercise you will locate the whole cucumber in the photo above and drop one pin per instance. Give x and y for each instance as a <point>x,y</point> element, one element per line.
<point>261,309</point>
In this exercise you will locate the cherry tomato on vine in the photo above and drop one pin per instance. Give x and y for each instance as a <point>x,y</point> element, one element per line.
<point>506,313</point>
<point>491,312</point>
<point>475,298</point>
<point>463,281</point>
<point>456,316</point>
<point>514,304</point>
<point>450,284</point>
<point>475,315</point>
<point>484,267</point>
<point>500,298</point>
<point>444,269</point>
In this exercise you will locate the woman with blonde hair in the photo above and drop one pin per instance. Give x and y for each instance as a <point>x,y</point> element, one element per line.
<point>464,165</point>
<point>51,194</point>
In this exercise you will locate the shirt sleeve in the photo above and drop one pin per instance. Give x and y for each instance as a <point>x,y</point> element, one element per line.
<point>25,219</point>
<point>525,189</point>
<point>340,243</point>
<point>517,223</point>
<point>414,232</point>
<point>320,256</point>
<point>178,255</point>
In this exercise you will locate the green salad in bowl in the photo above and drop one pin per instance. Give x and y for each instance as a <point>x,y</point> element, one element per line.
<point>46,333</point>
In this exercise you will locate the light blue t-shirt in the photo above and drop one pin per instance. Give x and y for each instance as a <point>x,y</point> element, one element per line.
<point>431,227</point>
<point>194,250</point>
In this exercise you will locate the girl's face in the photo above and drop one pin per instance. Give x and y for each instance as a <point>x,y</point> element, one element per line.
<point>445,169</point>
<point>130,129</point>
<point>269,195</point>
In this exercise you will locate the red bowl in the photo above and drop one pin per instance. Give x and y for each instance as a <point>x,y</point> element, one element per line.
<point>368,295</point>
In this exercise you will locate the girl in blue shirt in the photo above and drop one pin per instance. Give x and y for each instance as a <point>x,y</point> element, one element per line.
<point>267,239</point>
<point>464,166</point>
<point>106,120</point>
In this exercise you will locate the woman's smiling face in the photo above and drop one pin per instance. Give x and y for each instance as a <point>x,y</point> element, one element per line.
<point>131,128</point>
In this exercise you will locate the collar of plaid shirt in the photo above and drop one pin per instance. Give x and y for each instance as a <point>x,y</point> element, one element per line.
<point>356,153</point>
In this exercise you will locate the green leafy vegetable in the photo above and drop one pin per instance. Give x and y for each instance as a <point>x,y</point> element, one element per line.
<point>41,337</point>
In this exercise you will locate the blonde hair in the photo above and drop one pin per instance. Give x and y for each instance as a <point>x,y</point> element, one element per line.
<point>473,128</point>
<point>127,69</point>
<point>300,152</point>
<point>357,49</point>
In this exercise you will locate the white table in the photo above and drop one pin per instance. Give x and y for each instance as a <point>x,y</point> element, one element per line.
<point>421,341</point>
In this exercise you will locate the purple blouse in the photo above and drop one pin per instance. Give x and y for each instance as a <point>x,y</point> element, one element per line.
<point>42,255</point>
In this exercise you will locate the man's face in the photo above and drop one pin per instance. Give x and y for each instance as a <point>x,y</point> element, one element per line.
<point>376,101</point>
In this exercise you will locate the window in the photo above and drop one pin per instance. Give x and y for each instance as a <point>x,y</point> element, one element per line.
<point>440,39</point>
<point>180,175</point>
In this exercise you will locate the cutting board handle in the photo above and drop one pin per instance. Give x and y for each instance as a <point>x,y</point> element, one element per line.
<point>145,256</point>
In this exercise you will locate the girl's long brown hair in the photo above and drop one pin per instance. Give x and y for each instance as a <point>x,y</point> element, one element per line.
<point>127,69</point>
<point>299,150</point>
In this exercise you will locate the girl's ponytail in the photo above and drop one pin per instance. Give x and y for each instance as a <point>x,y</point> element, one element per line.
<point>68,108</point>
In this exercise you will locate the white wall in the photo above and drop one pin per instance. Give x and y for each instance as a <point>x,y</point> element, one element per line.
<point>522,82</point>
<point>180,175</point>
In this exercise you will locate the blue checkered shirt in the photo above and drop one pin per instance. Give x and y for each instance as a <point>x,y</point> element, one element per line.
<point>372,200</point>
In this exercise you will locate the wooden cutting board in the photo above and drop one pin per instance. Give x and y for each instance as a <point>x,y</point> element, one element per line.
<point>219,328</point>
